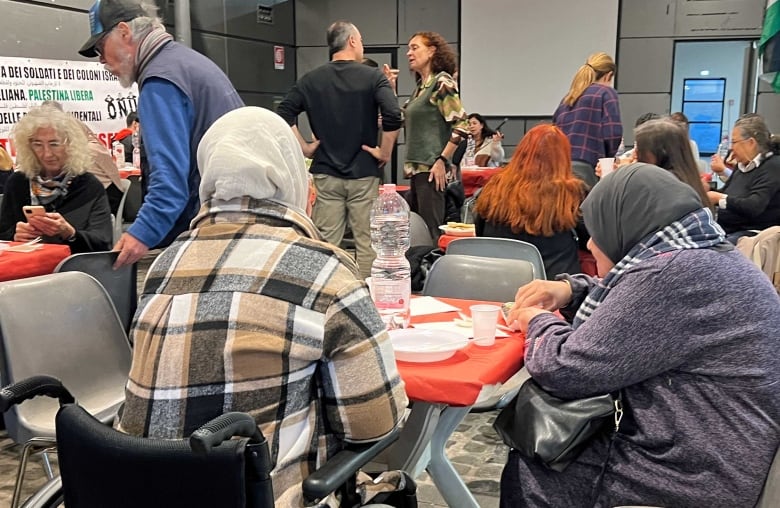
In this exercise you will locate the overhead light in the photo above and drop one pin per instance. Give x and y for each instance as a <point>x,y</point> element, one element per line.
<point>704,73</point>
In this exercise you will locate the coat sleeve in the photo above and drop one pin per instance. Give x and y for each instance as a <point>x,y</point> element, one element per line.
<point>97,234</point>
<point>633,335</point>
<point>752,204</point>
<point>388,105</point>
<point>292,105</point>
<point>167,130</point>
<point>364,396</point>
<point>612,126</point>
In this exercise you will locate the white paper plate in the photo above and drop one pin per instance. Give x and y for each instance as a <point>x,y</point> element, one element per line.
<point>423,346</point>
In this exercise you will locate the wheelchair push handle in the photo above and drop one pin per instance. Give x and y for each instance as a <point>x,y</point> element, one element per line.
<point>223,428</point>
<point>26,389</point>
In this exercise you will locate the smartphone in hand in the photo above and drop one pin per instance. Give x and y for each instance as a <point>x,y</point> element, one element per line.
<point>34,211</point>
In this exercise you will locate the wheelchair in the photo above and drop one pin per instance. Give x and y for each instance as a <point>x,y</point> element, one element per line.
<point>101,467</point>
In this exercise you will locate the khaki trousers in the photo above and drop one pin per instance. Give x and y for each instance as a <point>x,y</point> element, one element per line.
<point>341,201</point>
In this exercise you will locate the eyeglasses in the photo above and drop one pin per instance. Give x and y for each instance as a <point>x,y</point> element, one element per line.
<point>735,141</point>
<point>101,42</point>
<point>53,146</point>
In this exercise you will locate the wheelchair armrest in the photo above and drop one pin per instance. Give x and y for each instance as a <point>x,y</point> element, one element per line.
<point>26,389</point>
<point>222,428</point>
<point>336,471</point>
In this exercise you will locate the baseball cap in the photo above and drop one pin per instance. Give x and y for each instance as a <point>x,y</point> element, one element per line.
<point>104,16</point>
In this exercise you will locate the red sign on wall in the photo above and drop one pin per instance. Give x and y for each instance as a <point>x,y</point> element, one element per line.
<point>279,57</point>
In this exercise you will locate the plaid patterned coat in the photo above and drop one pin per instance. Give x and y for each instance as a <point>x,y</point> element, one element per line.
<point>251,311</point>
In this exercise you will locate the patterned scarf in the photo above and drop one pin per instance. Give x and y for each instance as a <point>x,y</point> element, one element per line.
<point>696,230</point>
<point>44,192</point>
<point>152,43</point>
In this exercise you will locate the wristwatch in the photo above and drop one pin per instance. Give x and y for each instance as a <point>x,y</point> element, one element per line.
<point>444,160</point>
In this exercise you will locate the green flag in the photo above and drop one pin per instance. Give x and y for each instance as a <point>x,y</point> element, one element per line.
<point>769,45</point>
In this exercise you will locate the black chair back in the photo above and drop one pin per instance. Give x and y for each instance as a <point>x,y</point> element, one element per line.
<point>121,285</point>
<point>103,467</point>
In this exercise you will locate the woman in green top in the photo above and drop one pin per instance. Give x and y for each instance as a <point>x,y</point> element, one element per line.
<point>435,123</point>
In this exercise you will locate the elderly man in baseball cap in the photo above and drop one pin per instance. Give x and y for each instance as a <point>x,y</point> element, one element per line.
<point>181,94</point>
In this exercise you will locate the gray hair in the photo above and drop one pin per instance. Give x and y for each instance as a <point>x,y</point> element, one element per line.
<point>141,26</point>
<point>338,35</point>
<point>753,126</point>
<point>70,130</point>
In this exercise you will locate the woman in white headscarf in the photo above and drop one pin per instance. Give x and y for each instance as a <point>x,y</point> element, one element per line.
<point>251,311</point>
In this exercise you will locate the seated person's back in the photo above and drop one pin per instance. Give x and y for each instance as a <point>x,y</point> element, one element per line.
<point>536,200</point>
<point>251,311</point>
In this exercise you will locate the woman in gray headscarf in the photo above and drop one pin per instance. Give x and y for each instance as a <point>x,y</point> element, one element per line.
<point>250,310</point>
<point>700,386</point>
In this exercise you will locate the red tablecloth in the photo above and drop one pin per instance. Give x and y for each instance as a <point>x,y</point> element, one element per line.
<point>458,380</point>
<point>128,172</point>
<point>445,239</point>
<point>473,179</point>
<point>18,265</point>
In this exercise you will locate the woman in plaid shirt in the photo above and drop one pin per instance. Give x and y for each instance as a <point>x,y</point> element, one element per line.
<point>589,115</point>
<point>252,311</point>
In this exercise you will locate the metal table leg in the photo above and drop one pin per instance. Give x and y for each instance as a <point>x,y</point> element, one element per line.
<point>447,480</point>
<point>421,446</point>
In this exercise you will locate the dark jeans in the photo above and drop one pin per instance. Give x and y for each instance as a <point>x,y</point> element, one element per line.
<point>428,202</point>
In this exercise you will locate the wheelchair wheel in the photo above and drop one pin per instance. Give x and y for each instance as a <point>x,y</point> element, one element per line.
<point>49,496</point>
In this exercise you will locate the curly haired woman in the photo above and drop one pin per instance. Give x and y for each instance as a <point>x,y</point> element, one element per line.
<point>435,123</point>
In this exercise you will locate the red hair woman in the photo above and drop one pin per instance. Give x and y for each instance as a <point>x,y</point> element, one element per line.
<point>536,199</point>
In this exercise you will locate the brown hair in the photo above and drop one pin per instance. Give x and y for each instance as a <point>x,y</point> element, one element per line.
<point>679,117</point>
<point>596,67</point>
<point>668,143</point>
<point>444,58</point>
<point>537,193</point>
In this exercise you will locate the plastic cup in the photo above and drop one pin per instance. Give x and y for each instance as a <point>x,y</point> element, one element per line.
<point>607,165</point>
<point>483,322</point>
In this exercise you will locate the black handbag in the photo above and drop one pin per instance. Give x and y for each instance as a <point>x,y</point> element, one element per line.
<point>552,430</point>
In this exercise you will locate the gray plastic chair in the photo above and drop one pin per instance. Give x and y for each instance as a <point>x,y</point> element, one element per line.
<point>481,278</point>
<point>62,325</point>
<point>418,231</point>
<point>477,278</point>
<point>500,248</point>
<point>134,199</point>
<point>121,285</point>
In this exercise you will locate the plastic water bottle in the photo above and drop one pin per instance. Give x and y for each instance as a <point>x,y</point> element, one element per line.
<point>470,157</point>
<point>390,274</point>
<point>136,151</point>
<point>723,148</point>
<point>119,154</point>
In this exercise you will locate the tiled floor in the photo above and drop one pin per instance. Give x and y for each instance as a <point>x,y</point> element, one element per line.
<point>475,450</point>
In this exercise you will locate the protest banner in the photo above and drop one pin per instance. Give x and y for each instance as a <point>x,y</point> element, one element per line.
<point>85,89</point>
